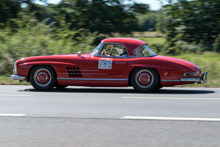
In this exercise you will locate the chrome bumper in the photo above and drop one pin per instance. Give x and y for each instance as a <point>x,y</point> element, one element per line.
<point>201,80</point>
<point>16,77</point>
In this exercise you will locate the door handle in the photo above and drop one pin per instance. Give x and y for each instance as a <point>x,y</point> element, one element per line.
<point>120,62</point>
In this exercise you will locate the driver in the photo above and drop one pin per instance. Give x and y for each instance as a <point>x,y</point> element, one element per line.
<point>124,54</point>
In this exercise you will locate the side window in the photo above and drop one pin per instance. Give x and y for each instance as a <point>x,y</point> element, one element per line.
<point>145,52</point>
<point>96,50</point>
<point>106,51</point>
<point>117,50</point>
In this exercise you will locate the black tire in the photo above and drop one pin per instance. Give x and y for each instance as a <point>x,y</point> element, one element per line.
<point>145,79</point>
<point>43,78</point>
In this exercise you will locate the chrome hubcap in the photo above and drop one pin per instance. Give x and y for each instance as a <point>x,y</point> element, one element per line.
<point>42,77</point>
<point>144,78</point>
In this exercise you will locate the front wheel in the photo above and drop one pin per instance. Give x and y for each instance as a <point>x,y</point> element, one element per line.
<point>43,77</point>
<point>145,80</point>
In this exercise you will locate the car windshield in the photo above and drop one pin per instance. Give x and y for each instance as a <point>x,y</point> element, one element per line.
<point>145,51</point>
<point>96,50</point>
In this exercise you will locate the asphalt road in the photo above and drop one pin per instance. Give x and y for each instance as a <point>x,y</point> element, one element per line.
<point>109,117</point>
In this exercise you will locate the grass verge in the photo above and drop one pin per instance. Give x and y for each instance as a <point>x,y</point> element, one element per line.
<point>207,61</point>
<point>6,80</point>
<point>151,41</point>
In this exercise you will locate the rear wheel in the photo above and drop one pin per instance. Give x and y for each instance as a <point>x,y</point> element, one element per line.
<point>43,77</point>
<point>145,80</point>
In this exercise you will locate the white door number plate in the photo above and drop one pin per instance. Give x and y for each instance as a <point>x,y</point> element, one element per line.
<point>105,63</point>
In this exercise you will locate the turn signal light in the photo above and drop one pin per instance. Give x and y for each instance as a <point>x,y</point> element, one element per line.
<point>190,74</point>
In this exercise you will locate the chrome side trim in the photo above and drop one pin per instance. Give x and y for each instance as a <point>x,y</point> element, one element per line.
<point>91,79</point>
<point>170,80</point>
<point>81,70</point>
<point>190,79</point>
<point>90,73</point>
<point>16,77</point>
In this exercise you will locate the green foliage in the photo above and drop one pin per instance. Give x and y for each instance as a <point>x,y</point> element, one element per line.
<point>193,21</point>
<point>43,12</point>
<point>148,21</point>
<point>207,61</point>
<point>152,21</point>
<point>152,40</point>
<point>140,8</point>
<point>10,8</point>
<point>33,38</point>
<point>160,25</point>
<point>102,16</point>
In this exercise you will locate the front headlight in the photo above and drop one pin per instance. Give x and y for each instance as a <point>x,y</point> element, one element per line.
<point>15,67</point>
<point>190,74</point>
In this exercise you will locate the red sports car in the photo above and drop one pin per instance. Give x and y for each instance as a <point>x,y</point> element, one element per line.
<point>115,62</point>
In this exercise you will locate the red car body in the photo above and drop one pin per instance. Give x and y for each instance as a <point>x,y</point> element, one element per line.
<point>139,68</point>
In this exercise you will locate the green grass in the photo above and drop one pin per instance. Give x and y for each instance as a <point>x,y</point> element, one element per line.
<point>208,61</point>
<point>149,37</point>
<point>150,41</point>
<point>6,80</point>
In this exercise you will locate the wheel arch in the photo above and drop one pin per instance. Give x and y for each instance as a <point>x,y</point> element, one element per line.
<point>28,76</point>
<point>142,67</point>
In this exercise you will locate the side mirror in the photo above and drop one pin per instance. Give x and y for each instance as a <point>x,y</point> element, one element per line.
<point>79,53</point>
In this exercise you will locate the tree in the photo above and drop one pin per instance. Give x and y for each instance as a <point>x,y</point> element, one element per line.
<point>9,9</point>
<point>140,8</point>
<point>101,15</point>
<point>160,23</point>
<point>148,21</point>
<point>42,12</point>
<point>193,21</point>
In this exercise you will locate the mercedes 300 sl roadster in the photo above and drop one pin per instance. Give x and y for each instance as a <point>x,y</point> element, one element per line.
<point>115,62</point>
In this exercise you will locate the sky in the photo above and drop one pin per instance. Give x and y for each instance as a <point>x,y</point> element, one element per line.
<point>154,4</point>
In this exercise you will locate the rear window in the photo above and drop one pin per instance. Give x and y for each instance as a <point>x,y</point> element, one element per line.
<point>144,51</point>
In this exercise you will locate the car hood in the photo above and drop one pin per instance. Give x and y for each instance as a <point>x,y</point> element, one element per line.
<point>174,60</point>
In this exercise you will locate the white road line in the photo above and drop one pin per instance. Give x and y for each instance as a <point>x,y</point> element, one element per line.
<point>13,95</point>
<point>169,98</point>
<point>170,118</point>
<point>8,114</point>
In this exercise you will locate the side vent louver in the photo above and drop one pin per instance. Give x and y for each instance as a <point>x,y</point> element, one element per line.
<point>73,71</point>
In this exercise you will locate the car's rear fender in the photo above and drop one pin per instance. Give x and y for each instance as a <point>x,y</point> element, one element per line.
<point>159,69</point>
